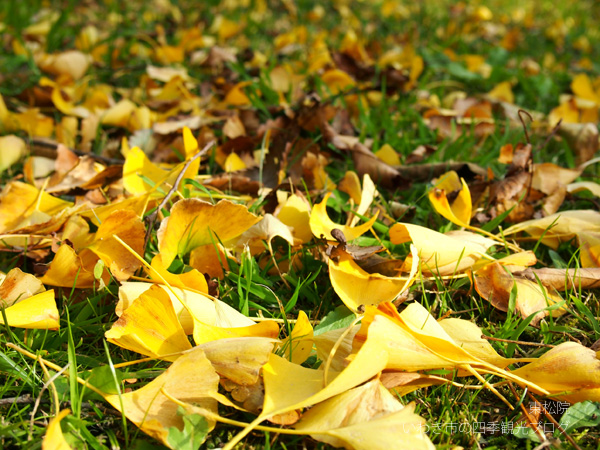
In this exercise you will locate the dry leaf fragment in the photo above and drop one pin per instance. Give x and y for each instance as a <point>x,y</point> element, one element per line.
<point>563,279</point>
<point>17,285</point>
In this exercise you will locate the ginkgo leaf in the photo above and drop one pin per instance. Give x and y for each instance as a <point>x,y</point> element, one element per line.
<point>54,438</point>
<point>194,222</point>
<point>337,80</point>
<point>239,359</point>
<point>150,327</point>
<point>188,280</point>
<point>559,227</point>
<point>388,155</point>
<point>325,342</point>
<point>439,253</point>
<point>350,184</point>
<point>298,346</point>
<point>568,371</point>
<point>17,285</point>
<point>12,149</point>
<point>321,224</point>
<point>191,378</point>
<point>358,288</point>
<point>368,193</point>
<point>295,213</point>
<point>495,284</point>
<point>69,269</point>
<point>36,312</point>
<point>210,259</point>
<point>137,168</point>
<point>579,186</point>
<point>589,248</point>
<point>204,332</point>
<point>460,210</point>
<point>128,226</point>
<point>366,417</point>
<point>20,200</point>
<point>187,305</point>
<point>265,230</point>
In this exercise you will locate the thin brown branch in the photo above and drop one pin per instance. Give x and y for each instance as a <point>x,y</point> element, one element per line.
<point>151,219</point>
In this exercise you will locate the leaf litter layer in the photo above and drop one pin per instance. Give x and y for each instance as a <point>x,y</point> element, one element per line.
<point>296,224</point>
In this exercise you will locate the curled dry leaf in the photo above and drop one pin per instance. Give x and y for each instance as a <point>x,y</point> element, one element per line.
<point>495,284</point>
<point>563,279</point>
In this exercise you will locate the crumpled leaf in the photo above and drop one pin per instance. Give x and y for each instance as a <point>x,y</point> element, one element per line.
<point>193,223</point>
<point>17,285</point>
<point>358,288</point>
<point>265,230</point>
<point>19,201</point>
<point>191,378</point>
<point>459,212</point>
<point>150,327</point>
<point>54,438</point>
<point>569,371</point>
<point>128,226</point>
<point>322,225</point>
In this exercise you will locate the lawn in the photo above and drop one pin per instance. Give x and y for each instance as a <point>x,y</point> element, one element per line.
<point>274,225</point>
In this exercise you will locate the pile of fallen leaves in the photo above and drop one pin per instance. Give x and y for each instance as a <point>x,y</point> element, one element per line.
<point>194,175</point>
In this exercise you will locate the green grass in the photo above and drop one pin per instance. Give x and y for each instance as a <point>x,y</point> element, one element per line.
<point>251,286</point>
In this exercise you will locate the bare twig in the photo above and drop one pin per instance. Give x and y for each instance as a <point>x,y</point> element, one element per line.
<point>511,341</point>
<point>46,148</point>
<point>151,219</point>
<point>522,111</point>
